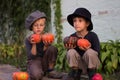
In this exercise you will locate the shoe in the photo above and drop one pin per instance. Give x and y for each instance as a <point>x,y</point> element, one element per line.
<point>67,77</point>
<point>91,73</point>
<point>73,75</point>
<point>55,75</point>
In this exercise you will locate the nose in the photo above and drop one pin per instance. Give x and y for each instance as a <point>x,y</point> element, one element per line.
<point>38,27</point>
<point>76,23</point>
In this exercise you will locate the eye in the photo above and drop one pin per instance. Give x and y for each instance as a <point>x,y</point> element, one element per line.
<point>41,24</point>
<point>74,20</point>
<point>35,25</point>
<point>80,20</point>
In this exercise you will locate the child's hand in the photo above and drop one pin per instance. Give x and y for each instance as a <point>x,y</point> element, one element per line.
<point>83,44</point>
<point>84,47</point>
<point>70,42</point>
<point>47,43</point>
<point>35,38</point>
<point>32,41</point>
<point>48,39</point>
<point>69,46</point>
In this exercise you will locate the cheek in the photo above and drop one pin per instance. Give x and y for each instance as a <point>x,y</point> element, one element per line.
<point>34,30</point>
<point>42,28</point>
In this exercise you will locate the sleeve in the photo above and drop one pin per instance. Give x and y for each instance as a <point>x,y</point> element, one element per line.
<point>96,43</point>
<point>28,48</point>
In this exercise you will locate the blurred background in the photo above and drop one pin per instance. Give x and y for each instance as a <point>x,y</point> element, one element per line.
<point>105,17</point>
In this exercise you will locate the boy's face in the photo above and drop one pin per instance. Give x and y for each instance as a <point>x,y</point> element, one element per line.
<point>80,24</point>
<point>39,25</point>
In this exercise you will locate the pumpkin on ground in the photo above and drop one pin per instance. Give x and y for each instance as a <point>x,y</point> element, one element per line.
<point>36,37</point>
<point>83,43</point>
<point>97,76</point>
<point>20,76</point>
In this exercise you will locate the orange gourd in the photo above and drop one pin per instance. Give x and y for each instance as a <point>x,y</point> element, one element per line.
<point>20,76</point>
<point>83,43</point>
<point>48,37</point>
<point>36,37</point>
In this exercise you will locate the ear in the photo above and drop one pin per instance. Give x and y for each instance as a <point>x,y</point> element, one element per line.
<point>87,23</point>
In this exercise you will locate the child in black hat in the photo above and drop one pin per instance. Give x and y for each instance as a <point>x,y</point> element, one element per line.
<point>82,59</point>
<point>41,56</point>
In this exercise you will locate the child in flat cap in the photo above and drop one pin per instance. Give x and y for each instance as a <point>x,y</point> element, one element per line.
<point>82,59</point>
<point>41,56</point>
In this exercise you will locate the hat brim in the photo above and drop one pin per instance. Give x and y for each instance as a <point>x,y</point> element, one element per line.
<point>70,20</point>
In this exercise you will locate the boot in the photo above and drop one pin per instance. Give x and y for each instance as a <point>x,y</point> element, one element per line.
<point>55,75</point>
<point>73,75</point>
<point>91,73</point>
<point>51,73</point>
<point>77,74</point>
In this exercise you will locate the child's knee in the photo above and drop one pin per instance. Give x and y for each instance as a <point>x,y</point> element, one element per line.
<point>37,75</point>
<point>71,52</point>
<point>91,53</point>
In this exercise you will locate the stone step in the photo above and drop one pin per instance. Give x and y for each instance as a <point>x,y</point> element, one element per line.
<point>7,70</point>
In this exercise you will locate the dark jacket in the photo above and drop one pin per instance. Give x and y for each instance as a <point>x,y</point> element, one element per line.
<point>93,39</point>
<point>39,47</point>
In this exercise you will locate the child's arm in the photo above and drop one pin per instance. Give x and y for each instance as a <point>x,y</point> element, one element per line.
<point>46,44</point>
<point>96,43</point>
<point>33,49</point>
<point>28,46</point>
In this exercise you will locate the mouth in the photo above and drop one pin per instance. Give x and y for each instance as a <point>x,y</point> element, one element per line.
<point>38,30</point>
<point>77,27</point>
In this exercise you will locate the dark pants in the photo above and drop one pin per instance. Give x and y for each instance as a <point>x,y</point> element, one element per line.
<point>38,66</point>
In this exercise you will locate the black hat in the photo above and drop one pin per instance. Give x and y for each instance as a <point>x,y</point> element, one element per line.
<point>33,17</point>
<point>81,12</point>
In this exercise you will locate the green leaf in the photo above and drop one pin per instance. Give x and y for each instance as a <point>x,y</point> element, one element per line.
<point>109,66</point>
<point>104,55</point>
<point>118,51</point>
<point>114,51</point>
<point>103,45</point>
<point>119,59</point>
<point>114,59</point>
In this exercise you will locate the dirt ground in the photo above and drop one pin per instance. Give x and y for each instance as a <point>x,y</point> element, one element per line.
<point>7,70</point>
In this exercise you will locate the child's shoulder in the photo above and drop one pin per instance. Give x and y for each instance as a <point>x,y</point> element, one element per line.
<point>27,39</point>
<point>92,33</point>
<point>73,34</point>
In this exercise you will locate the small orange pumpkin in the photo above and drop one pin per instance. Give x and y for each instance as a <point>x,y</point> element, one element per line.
<point>83,43</point>
<point>36,37</point>
<point>20,76</point>
<point>48,37</point>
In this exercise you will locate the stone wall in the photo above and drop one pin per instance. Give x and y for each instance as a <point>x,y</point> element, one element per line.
<point>105,17</point>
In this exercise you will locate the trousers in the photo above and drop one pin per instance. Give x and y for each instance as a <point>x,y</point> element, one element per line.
<point>88,60</point>
<point>36,67</point>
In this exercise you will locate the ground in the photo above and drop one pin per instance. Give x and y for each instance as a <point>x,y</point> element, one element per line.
<point>7,70</point>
